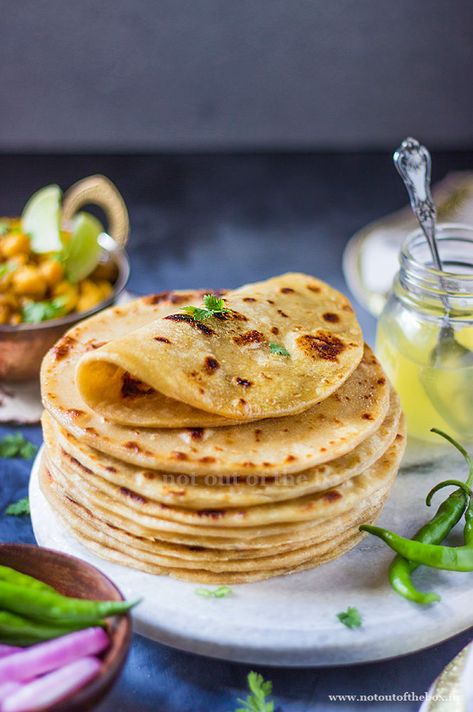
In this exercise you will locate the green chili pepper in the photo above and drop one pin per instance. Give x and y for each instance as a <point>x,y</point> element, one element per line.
<point>434,532</point>
<point>447,558</point>
<point>10,575</point>
<point>20,631</point>
<point>53,608</point>
<point>448,483</point>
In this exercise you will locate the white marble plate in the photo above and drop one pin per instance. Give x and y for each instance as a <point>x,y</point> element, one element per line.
<point>292,620</point>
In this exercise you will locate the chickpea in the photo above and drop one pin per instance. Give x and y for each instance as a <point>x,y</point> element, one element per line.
<point>90,295</point>
<point>5,282</point>
<point>17,243</point>
<point>87,286</point>
<point>15,319</point>
<point>20,260</point>
<point>52,271</point>
<point>105,287</point>
<point>9,300</point>
<point>4,315</point>
<point>29,281</point>
<point>70,292</point>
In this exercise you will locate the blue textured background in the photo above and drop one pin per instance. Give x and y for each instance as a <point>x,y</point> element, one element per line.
<point>218,221</point>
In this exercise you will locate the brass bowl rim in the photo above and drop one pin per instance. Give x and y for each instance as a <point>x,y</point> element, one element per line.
<point>122,261</point>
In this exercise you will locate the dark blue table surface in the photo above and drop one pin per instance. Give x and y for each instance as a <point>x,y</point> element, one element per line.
<point>201,221</point>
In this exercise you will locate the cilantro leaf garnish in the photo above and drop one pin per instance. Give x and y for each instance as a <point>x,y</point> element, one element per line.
<point>4,228</point>
<point>351,618</point>
<point>36,312</point>
<point>19,508</point>
<point>260,689</point>
<point>15,445</point>
<point>212,305</point>
<point>278,349</point>
<point>219,592</point>
<point>197,313</point>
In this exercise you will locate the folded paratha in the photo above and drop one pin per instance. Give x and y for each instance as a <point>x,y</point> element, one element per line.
<point>129,401</point>
<point>277,348</point>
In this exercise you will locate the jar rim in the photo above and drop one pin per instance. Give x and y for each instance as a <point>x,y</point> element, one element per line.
<point>418,272</point>
<point>417,238</point>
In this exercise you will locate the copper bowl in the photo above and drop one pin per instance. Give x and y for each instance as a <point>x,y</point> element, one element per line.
<point>73,577</point>
<point>22,347</point>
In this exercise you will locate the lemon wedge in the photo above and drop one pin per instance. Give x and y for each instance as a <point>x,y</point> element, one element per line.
<point>82,252</point>
<point>41,219</point>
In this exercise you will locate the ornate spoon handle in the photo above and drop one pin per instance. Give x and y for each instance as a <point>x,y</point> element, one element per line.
<point>413,163</point>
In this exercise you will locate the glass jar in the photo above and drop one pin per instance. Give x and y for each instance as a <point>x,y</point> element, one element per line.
<point>433,377</point>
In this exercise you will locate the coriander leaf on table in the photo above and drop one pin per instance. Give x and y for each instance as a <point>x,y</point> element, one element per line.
<point>16,445</point>
<point>219,592</point>
<point>351,618</point>
<point>278,349</point>
<point>36,312</point>
<point>256,701</point>
<point>16,509</point>
<point>212,305</point>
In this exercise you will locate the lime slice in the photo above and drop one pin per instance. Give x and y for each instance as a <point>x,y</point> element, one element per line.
<point>41,219</point>
<point>82,252</point>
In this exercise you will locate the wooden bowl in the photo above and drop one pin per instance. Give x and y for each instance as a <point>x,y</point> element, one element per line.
<point>73,577</point>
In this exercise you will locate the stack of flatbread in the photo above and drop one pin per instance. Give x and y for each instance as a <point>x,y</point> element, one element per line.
<point>225,447</point>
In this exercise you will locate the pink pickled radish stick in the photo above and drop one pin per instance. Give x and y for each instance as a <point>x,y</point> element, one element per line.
<point>6,689</point>
<point>8,650</point>
<point>51,688</point>
<point>44,657</point>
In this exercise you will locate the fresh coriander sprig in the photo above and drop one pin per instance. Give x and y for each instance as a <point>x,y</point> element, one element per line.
<point>278,349</point>
<point>220,592</point>
<point>260,689</point>
<point>17,509</point>
<point>351,618</point>
<point>212,305</point>
<point>15,445</point>
<point>36,312</point>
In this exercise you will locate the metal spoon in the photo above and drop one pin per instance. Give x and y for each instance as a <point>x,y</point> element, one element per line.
<point>413,163</point>
<point>445,380</point>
